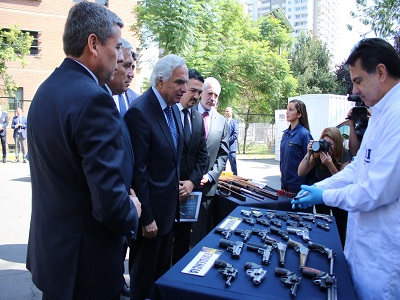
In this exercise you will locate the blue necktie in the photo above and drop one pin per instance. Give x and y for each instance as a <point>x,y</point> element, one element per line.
<point>172,125</point>
<point>122,105</point>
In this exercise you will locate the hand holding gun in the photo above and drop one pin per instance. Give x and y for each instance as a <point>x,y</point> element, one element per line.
<point>245,234</point>
<point>324,280</point>
<point>226,233</point>
<point>255,271</point>
<point>226,270</point>
<point>265,251</point>
<point>302,250</point>
<point>234,247</point>
<point>305,234</point>
<point>289,278</point>
<point>324,250</point>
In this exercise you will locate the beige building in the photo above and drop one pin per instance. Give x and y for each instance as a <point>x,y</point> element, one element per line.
<point>45,20</point>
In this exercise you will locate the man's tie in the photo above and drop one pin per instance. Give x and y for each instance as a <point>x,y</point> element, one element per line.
<point>186,126</point>
<point>122,105</point>
<point>205,120</point>
<point>172,125</point>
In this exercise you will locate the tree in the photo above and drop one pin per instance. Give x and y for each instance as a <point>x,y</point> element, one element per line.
<point>14,45</point>
<point>343,79</point>
<point>218,39</point>
<point>381,15</point>
<point>310,66</point>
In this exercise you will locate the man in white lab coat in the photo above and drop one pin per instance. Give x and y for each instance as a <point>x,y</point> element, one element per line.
<point>369,188</point>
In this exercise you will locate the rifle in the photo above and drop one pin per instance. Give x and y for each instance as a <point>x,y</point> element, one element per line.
<point>234,247</point>
<point>324,250</point>
<point>226,233</point>
<point>240,190</point>
<point>323,280</point>
<point>265,251</point>
<point>255,271</point>
<point>224,191</point>
<point>302,250</point>
<point>289,278</point>
<point>305,234</point>
<point>245,234</point>
<point>255,189</point>
<point>227,270</point>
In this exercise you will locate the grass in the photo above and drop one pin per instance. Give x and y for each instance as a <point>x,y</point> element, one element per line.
<point>255,148</point>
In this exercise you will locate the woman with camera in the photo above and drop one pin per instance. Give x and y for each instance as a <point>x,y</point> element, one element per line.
<point>293,147</point>
<point>326,157</point>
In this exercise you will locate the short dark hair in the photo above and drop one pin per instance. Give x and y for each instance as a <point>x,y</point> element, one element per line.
<point>193,74</point>
<point>86,18</point>
<point>375,51</point>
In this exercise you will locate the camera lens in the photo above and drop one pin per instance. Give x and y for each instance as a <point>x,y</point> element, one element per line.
<point>316,146</point>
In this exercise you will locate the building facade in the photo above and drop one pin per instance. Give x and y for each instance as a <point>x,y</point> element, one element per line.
<point>45,20</point>
<point>315,17</point>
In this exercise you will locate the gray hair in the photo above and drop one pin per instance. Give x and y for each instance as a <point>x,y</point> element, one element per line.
<point>164,68</point>
<point>210,81</point>
<point>127,45</point>
<point>84,19</point>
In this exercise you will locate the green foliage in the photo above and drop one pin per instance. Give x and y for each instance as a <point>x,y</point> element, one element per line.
<point>14,45</point>
<point>310,66</point>
<point>382,16</point>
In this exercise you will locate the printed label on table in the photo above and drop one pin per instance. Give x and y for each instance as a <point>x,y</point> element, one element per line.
<point>202,262</point>
<point>230,223</point>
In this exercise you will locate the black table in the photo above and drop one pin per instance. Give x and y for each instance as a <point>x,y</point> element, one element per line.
<point>177,285</point>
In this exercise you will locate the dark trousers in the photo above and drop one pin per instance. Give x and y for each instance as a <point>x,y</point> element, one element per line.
<point>205,222</point>
<point>181,240</point>
<point>3,146</point>
<point>232,161</point>
<point>151,258</point>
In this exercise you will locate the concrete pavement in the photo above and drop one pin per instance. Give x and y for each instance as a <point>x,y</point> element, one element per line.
<point>15,209</point>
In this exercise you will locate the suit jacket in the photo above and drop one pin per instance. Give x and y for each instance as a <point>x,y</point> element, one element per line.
<point>157,162</point>
<point>4,123</point>
<point>131,96</point>
<point>233,135</point>
<point>22,120</point>
<point>194,155</point>
<point>80,206</point>
<point>217,147</point>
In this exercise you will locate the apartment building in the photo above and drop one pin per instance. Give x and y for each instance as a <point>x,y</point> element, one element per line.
<point>316,17</point>
<point>45,20</point>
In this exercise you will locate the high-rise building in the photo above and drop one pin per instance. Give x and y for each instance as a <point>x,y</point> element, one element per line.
<point>315,17</point>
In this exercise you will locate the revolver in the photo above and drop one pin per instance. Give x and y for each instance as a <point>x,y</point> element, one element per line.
<point>227,270</point>
<point>289,278</point>
<point>255,271</point>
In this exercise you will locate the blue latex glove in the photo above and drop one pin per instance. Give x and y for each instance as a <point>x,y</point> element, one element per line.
<point>308,196</point>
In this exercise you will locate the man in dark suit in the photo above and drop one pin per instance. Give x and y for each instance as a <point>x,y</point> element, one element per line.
<point>80,205</point>
<point>3,132</point>
<point>216,128</point>
<point>118,87</point>
<point>157,146</point>
<point>19,125</point>
<point>233,132</point>
<point>194,156</point>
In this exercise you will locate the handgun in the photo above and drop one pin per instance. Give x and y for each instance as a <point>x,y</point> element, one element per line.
<point>330,254</point>
<point>302,231</point>
<point>232,246</point>
<point>255,271</point>
<point>226,233</point>
<point>323,280</point>
<point>289,278</point>
<point>245,234</point>
<point>264,250</point>
<point>227,270</point>
<point>302,250</point>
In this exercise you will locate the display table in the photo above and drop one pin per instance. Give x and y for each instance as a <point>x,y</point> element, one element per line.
<point>177,285</point>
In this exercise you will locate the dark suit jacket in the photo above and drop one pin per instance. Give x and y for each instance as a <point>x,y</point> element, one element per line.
<point>22,121</point>
<point>217,147</point>
<point>194,155</point>
<point>131,96</point>
<point>233,135</point>
<point>4,122</point>
<point>80,206</point>
<point>156,180</point>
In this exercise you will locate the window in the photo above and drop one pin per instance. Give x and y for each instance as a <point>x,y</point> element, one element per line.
<point>35,47</point>
<point>102,2</point>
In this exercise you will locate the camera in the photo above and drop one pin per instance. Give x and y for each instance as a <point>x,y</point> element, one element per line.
<point>320,146</point>
<point>359,114</point>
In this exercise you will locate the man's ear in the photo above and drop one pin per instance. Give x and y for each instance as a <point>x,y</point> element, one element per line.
<point>381,72</point>
<point>92,44</point>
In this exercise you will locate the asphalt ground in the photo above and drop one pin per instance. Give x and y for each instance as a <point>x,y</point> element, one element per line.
<point>15,209</point>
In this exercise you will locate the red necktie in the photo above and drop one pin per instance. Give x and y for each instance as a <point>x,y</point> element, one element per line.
<point>205,120</point>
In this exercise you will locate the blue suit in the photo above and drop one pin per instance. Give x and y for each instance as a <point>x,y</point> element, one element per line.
<point>131,96</point>
<point>80,206</point>
<point>156,184</point>
<point>233,132</point>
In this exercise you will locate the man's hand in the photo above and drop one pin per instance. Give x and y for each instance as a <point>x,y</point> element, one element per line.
<point>314,197</point>
<point>150,231</point>
<point>204,180</point>
<point>185,188</point>
<point>136,202</point>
